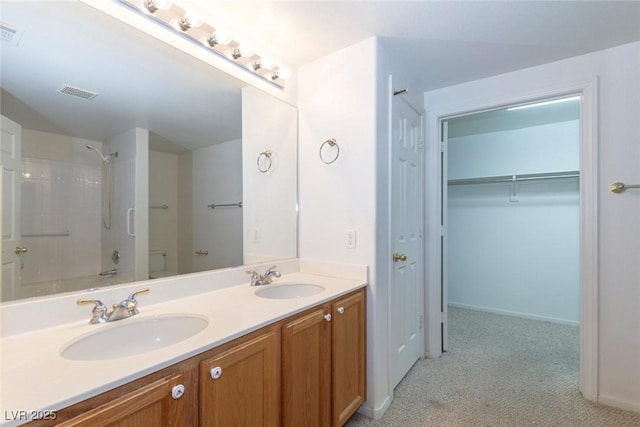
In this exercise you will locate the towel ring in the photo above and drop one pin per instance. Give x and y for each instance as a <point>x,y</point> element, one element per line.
<point>265,156</point>
<point>331,142</point>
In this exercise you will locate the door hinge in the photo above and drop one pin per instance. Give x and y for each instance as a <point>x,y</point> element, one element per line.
<point>442,147</point>
<point>421,322</point>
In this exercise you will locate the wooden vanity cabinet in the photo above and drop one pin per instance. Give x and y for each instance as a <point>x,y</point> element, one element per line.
<point>144,402</point>
<point>323,363</point>
<point>348,356</point>
<point>240,384</point>
<point>306,370</point>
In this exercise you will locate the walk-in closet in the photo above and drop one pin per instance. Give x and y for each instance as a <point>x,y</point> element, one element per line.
<point>512,210</point>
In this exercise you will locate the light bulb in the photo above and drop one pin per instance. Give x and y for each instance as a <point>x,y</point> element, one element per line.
<point>283,73</point>
<point>152,6</point>
<point>190,20</point>
<point>163,4</point>
<point>246,51</point>
<point>218,37</point>
<point>263,64</point>
<point>194,19</point>
<point>234,53</point>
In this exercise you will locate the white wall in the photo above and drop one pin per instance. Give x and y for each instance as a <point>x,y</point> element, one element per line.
<point>340,196</point>
<point>617,70</point>
<point>533,149</point>
<point>352,106</point>
<point>520,257</point>
<point>61,191</point>
<point>163,190</point>
<point>217,178</point>
<point>269,211</point>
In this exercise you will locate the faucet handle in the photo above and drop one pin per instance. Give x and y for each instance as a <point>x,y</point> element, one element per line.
<point>271,271</point>
<point>99,312</point>
<point>132,296</point>
<point>131,304</point>
<point>255,278</point>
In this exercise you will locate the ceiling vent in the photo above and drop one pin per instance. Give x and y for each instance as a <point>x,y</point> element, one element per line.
<point>77,92</point>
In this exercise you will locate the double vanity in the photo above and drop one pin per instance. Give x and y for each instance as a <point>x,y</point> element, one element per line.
<point>287,353</point>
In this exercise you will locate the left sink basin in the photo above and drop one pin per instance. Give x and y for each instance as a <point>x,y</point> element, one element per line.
<point>133,336</point>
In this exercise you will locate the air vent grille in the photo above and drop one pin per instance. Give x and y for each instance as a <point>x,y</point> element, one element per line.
<point>77,92</point>
<point>7,33</point>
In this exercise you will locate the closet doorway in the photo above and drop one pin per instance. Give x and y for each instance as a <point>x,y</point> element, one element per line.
<point>451,105</point>
<point>511,211</point>
<point>511,233</point>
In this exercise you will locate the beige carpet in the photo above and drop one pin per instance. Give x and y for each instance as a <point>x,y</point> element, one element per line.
<point>499,371</point>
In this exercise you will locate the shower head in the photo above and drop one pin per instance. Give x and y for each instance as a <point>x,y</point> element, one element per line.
<point>91,147</point>
<point>103,157</point>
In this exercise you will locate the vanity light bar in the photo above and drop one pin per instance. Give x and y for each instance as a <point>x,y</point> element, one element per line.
<point>191,27</point>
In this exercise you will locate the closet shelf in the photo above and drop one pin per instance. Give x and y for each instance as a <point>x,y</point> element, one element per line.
<point>515,178</point>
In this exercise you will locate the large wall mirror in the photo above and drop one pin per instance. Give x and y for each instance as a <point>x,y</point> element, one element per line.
<point>125,159</point>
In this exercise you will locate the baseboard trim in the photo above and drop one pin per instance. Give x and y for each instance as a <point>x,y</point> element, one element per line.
<point>375,413</point>
<point>514,314</point>
<point>620,404</point>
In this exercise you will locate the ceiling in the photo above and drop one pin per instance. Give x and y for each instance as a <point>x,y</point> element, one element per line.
<point>448,42</point>
<point>144,83</point>
<point>141,82</point>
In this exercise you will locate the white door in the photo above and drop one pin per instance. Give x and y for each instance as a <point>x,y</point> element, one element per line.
<point>407,283</point>
<point>11,160</point>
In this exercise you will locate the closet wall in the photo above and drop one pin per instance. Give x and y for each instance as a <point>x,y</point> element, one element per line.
<point>515,255</point>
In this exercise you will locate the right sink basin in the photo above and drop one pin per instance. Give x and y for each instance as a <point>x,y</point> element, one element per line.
<point>288,290</point>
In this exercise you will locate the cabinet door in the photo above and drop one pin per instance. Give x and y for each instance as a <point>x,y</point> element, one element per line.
<point>306,370</point>
<point>149,406</point>
<point>348,356</point>
<point>241,385</point>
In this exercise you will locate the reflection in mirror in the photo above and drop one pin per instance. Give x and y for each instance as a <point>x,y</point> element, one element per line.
<point>121,153</point>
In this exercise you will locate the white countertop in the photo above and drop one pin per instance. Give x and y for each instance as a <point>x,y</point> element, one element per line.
<point>36,377</point>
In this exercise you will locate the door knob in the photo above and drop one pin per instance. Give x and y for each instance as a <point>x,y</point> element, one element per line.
<point>20,250</point>
<point>399,257</point>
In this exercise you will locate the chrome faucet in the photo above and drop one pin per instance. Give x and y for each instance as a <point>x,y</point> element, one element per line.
<point>266,278</point>
<point>126,308</point>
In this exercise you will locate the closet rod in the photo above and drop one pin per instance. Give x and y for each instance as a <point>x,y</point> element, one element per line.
<point>510,178</point>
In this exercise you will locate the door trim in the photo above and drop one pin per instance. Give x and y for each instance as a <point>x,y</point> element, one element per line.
<point>588,216</point>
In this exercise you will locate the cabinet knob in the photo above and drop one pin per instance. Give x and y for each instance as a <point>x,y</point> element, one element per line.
<point>340,310</point>
<point>327,317</point>
<point>216,372</point>
<point>177,391</point>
